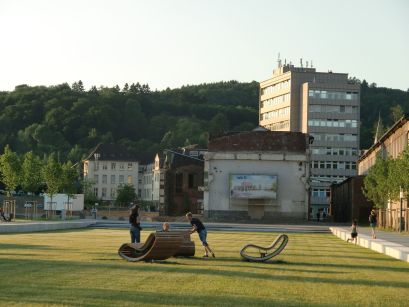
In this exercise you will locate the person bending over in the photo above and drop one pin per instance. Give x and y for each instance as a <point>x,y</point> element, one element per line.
<point>198,226</point>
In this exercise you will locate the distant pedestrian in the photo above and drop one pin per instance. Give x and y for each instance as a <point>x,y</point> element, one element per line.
<point>135,229</point>
<point>354,232</point>
<point>201,231</point>
<point>3,216</point>
<point>372,223</point>
<point>94,211</point>
<point>318,216</point>
<point>165,227</point>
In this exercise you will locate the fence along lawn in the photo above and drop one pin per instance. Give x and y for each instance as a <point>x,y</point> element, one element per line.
<point>82,267</point>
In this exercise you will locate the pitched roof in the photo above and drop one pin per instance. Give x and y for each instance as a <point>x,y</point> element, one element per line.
<point>117,152</point>
<point>281,141</point>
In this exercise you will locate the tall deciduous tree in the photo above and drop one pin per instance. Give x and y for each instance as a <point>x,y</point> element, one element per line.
<point>125,194</point>
<point>376,185</point>
<point>69,180</point>
<point>52,174</point>
<point>31,172</point>
<point>396,112</point>
<point>10,168</point>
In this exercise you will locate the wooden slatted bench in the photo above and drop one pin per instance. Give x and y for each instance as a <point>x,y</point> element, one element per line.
<point>159,246</point>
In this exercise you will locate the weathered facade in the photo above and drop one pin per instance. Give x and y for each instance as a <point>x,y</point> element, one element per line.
<point>259,175</point>
<point>180,181</point>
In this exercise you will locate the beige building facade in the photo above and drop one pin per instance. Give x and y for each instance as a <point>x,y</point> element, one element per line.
<point>109,166</point>
<point>324,105</point>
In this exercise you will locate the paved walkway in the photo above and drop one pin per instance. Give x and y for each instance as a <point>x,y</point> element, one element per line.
<point>234,227</point>
<point>392,244</point>
<point>33,226</point>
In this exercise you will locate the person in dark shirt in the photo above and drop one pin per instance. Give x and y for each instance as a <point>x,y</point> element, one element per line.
<point>198,226</point>
<point>372,223</point>
<point>135,229</point>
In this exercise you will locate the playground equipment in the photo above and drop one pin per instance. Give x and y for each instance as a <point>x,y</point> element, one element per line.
<point>9,209</point>
<point>159,246</point>
<point>251,252</point>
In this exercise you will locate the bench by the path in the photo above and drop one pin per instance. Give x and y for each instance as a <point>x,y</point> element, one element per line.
<point>398,249</point>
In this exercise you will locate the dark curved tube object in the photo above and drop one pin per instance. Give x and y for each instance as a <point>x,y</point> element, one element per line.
<point>158,246</point>
<point>266,253</point>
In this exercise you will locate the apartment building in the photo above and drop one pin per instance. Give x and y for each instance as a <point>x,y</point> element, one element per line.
<point>108,166</point>
<point>325,105</point>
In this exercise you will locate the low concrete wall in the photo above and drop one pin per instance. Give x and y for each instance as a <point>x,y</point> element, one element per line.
<point>391,249</point>
<point>15,227</point>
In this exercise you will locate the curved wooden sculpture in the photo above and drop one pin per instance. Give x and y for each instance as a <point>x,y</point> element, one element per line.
<point>266,253</point>
<point>159,246</point>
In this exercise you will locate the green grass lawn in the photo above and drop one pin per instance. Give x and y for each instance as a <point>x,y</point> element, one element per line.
<point>82,267</point>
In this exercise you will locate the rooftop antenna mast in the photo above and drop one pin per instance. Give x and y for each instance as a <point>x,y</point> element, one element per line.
<point>279,60</point>
<point>301,62</point>
<point>311,64</point>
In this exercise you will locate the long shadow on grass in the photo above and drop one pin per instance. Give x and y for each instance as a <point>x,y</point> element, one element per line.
<point>104,297</point>
<point>60,267</point>
<point>25,246</point>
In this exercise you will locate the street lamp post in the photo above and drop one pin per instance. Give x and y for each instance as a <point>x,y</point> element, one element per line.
<point>400,209</point>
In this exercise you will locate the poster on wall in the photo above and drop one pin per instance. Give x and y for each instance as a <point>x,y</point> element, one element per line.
<point>253,186</point>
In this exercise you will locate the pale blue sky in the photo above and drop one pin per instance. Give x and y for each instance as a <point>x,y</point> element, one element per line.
<point>176,42</point>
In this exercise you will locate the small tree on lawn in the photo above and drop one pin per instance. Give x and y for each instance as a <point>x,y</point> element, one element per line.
<point>377,186</point>
<point>52,174</point>
<point>10,168</point>
<point>69,180</point>
<point>125,194</point>
<point>31,172</point>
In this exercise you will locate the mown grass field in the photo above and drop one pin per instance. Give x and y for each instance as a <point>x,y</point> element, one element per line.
<point>81,267</point>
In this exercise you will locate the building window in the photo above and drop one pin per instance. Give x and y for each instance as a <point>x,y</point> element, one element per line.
<point>96,179</point>
<point>130,166</point>
<point>178,182</point>
<point>121,178</point>
<point>104,179</point>
<point>104,192</point>
<point>192,183</point>
<point>96,192</point>
<point>129,179</point>
<point>105,166</point>
<point>113,192</point>
<point>113,165</point>
<point>113,179</point>
<point>122,166</point>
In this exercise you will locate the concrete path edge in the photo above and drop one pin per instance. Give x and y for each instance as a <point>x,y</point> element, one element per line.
<point>391,249</point>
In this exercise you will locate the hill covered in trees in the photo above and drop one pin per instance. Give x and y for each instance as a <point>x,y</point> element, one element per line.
<point>69,120</point>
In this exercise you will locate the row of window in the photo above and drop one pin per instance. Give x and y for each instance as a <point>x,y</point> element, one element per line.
<point>334,137</point>
<point>275,87</point>
<point>122,166</point>
<point>276,100</point>
<point>321,193</point>
<point>333,165</point>
<point>121,179</point>
<point>335,151</point>
<point>275,113</point>
<point>327,178</point>
<point>104,192</point>
<point>321,108</point>
<point>278,126</point>
<point>338,123</point>
<point>335,95</point>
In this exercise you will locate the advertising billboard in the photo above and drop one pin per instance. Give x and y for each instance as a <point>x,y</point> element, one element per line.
<point>244,186</point>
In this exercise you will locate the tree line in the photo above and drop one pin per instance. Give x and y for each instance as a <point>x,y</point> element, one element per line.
<point>70,120</point>
<point>385,179</point>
